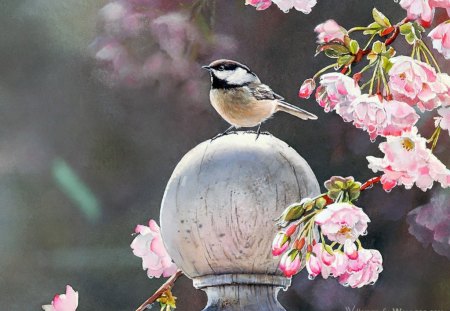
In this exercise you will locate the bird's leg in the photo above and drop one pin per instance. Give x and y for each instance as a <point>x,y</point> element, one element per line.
<point>258,131</point>
<point>224,133</point>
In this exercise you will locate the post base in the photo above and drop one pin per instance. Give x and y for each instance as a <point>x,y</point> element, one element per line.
<point>243,297</point>
<point>234,292</point>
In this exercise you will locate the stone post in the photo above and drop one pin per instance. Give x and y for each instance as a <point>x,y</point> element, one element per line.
<point>217,217</point>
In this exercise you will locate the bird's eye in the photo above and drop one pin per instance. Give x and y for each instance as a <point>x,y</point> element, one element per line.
<point>221,67</point>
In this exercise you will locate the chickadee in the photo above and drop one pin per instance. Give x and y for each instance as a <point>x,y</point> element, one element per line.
<point>242,100</point>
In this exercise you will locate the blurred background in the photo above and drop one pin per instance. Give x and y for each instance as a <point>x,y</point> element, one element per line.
<point>97,106</point>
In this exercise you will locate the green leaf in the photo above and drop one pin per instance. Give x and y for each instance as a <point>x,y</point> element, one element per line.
<point>405,28</point>
<point>410,38</point>
<point>386,64</point>
<point>293,253</point>
<point>354,191</point>
<point>390,52</point>
<point>373,28</point>
<point>412,32</point>
<point>418,27</point>
<point>343,188</point>
<point>353,46</point>
<point>377,47</point>
<point>332,53</point>
<point>347,40</point>
<point>345,60</point>
<point>337,47</point>
<point>320,203</point>
<point>380,18</point>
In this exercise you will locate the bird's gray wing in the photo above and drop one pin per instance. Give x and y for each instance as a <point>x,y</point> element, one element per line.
<point>263,92</point>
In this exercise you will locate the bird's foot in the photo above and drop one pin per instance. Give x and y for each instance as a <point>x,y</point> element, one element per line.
<point>223,134</point>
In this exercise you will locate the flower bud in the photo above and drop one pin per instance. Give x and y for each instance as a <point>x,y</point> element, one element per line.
<point>291,230</point>
<point>321,202</point>
<point>291,263</point>
<point>298,244</point>
<point>307,88</point>
<point>350,249</point>
<point>293,212</point>
<point>280,244</point>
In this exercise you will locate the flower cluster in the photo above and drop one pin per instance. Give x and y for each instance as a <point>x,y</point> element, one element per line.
<point>423,10</point>
<point>372,113</point>
<point>417,83</point>
<point>406,161</point>
<point>330,216</point>
<point>64,302</point>
<point>149,246</point>
<point>389,101</point>
<point>143,42</point>
<point>430,224</point>
<point>304,6</point>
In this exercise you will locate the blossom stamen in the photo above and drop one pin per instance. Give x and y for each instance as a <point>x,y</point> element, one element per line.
<point>408,144</point>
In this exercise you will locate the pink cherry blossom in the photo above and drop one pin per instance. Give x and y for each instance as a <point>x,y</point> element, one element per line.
<point>342,221</point>
<point>369,114</point>
<point>441,4</point>
<point>291,263</point>
<point>307,88</point>
<point>420,10</point>
<point>337,92</point>
<point>406,161</point>
<point>259,4</point>
<point>280,244</point>
<point>400,118</point>
<point>441,39</point>
<point>325,264</point>
<point>64,302</point>
<point>415,83</point>
<point>339,265</point>
<point>319,262</point>
<point>149,246</point>
<point>304,6</point>
<point>364,270</point>
<point>329,31</point>
<point>382,117</point>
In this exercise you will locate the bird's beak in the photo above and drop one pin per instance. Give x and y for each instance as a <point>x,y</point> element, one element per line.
<point>206,67</point>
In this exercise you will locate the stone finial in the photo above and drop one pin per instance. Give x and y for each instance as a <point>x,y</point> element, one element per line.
<point>218,211</point>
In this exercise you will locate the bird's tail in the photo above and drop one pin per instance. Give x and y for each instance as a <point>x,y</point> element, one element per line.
<point>295,111</point>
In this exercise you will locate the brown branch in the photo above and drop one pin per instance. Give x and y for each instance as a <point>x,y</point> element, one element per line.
<point>166,286</point>
<point>393,36</point>
<point>370,183</point>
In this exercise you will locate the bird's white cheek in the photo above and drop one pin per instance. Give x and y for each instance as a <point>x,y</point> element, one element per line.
<point>222,75</point>
<point>240,76</point>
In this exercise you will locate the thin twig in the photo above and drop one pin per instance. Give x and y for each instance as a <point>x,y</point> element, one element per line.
<point>166,286</point>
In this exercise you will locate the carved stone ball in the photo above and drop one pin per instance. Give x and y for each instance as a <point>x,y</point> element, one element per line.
<point>218,210</point>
